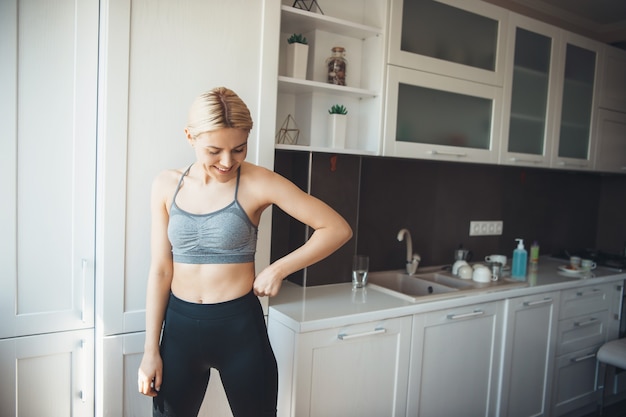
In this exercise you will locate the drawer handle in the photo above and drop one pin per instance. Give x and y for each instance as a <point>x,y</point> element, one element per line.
<point>457,154</point>
<point>571,164</point>
<point>585,323</point>
<point>583,358</point>
<point>590,293</point>
<point>345,336</point>
<point>465,315</point>
<point>531,161</point>
<point>83,392</point>
<point>537,302</point>
<point>83,266</point>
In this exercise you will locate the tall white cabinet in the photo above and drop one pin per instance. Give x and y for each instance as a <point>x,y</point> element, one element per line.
<point>48,79</point>
<point>156,57</point>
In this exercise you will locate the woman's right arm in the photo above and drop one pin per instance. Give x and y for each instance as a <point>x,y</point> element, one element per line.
<point>158,289</point>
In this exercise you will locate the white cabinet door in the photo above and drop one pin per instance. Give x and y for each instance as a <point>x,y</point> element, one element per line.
<point>529,92</point>
<point>48,79</point>
<point>47,375</point>
<point>455,362</point>
<point>610,137</point>
<point>577,97</point>
<point>122,356</point>
<point>429,116</point>
<point>529,355</point>
<point>613,81</point>
<point>359,370</point>
<point>157,56</point>
<point>459,38</point>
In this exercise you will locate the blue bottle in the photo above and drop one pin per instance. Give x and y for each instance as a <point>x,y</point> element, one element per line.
<point>520,257</point>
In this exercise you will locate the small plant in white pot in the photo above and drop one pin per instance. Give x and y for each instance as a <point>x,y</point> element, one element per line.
<point>337,125</point>
<point>297,55</point>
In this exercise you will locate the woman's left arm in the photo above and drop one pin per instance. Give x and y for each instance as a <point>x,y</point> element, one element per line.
<point>331,231</point>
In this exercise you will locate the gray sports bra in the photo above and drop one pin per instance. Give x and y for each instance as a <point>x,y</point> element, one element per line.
<point>225,236</point>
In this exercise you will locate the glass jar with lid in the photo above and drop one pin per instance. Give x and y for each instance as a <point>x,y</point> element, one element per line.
<point>336,65</point>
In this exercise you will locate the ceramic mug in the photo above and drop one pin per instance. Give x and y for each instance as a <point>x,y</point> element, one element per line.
<point>482,274</point>
<point>496,258</point>
<point>465,272</point>
<point>587,264</point>
<point>457,265</point>
<point>575,261</point>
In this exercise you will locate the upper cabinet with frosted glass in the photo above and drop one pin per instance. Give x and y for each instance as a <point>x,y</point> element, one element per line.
<point>530,98</point>
<point>573,146</point>
<point>457,38</point>
<point>358,26</point>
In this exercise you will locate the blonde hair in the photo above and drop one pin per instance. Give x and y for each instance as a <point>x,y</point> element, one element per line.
<point>217,109</point>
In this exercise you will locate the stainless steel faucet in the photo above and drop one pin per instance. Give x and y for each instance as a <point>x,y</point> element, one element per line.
<point>412,259</point>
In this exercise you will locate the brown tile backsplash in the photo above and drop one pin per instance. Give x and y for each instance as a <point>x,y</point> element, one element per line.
<point>437,200</point>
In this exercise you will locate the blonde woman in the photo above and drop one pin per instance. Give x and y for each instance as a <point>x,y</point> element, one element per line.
<point>202,286</point>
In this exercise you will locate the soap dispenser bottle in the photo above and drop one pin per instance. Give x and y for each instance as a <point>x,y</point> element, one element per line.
<point>520,256</point>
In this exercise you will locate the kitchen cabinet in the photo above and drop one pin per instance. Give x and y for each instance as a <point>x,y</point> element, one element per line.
<point>420,37</point>
<point>48,109</point>
<point>48,375</point>
<point>360,28</point>
<point>610,137</point>
<point>455,361</point>
<point>359,369</point>
<point>528,358</point>
<point>613,82</point>
<point>584,316</point>
<point>577,95</point>
<point>430,116</point>
<point>529,92</point>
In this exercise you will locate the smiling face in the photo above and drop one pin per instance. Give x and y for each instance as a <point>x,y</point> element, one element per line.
<point>220,152</point>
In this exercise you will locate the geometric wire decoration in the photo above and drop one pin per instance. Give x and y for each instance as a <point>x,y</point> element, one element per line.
<point>288,134</point>
<point>301,4</point>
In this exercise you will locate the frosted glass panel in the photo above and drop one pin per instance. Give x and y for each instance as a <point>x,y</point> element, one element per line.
<point>465,38</point>
<point>529,93</point>
<point>577,100</point>
<point>443,118</point>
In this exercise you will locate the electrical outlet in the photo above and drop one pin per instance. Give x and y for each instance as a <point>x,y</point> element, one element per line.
<point>486,228</point>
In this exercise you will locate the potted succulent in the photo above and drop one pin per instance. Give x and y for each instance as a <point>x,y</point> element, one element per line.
<point>337,125</point>
<point>297,56</point>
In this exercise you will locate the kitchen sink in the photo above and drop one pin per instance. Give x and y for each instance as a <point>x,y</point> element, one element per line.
<point>410,287</point>
<point>433,283</point>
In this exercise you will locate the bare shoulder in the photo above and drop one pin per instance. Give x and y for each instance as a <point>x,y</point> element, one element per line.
<point>165,182</point>
<point>263,179</point>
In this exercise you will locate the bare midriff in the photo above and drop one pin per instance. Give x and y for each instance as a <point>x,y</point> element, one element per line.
<point>212,283</point>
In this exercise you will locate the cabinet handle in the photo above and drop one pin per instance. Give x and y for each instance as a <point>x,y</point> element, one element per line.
<point>569,164</point>
<point>587,294</point>
<point>532,161</point>
<point>457,154</point>
<point>345,336</point>
<point>537,302</point>
<point>583,358</point>
<point>84,289</point>
<point>585,323</point>
<point>465,315</point>
<point>83,392</point>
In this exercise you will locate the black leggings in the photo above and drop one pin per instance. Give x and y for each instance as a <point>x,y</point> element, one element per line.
<point>230,337</point>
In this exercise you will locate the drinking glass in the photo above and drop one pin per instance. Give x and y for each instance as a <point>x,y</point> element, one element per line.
<point>360,267</point>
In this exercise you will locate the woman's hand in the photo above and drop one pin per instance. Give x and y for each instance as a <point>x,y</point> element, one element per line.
<point>267,283</point>
<point>150,374</point>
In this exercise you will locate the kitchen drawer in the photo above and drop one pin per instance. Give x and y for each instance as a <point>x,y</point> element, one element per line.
<point>582,331</point>
<point>584,300</point>
<point>574,381</point>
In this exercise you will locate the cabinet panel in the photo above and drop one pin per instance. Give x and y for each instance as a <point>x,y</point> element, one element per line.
<point>420,38</point>
<point>48,124</point>
<point>434,117</point>
<point>48,375</point>
<point>529,355</point>
<point>573,146</point>
<point>582,331</point>
<point>529,92</point>
<point>584,300</point>
<point>456,351</point>
<point>613,87</point>
<point>574,381</point>
<point>357,370</point>
<point>610,135</point>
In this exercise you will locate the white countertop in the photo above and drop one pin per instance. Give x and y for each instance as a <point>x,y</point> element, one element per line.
<point>305,309</point>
